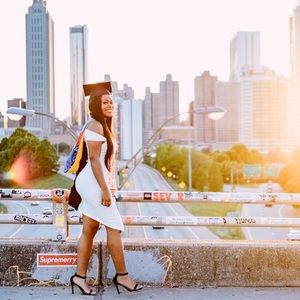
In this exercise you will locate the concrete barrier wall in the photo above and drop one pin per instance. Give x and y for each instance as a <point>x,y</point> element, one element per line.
<point>162,262</point>
<point>19,265</point>
<point>210,263</point>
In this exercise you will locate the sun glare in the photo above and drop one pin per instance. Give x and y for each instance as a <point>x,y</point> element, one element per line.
<point>19,170</point>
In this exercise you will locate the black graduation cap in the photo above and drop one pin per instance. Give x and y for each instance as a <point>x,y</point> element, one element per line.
<point>88,88</point>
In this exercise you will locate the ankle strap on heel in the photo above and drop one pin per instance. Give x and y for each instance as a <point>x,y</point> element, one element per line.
<point>122,274</point>
<point>82,277</point>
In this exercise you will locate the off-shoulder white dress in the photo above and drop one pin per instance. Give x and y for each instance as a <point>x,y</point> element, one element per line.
<point>90,191</point>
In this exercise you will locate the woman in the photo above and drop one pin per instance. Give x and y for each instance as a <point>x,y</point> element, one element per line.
<point>96,184</point>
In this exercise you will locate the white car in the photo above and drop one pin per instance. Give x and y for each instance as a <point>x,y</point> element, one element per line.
<point>293,235</point>
<point>47,211</point>
<point>157,226</point>
<point>35,203</point>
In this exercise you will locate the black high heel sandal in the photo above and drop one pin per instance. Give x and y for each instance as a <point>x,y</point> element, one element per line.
<point>116,282</point>
<point>91,292</point>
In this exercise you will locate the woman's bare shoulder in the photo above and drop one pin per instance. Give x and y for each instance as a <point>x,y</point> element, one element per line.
<point>95,126</point>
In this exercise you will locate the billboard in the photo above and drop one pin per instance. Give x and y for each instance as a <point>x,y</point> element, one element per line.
<point>253,170</point>
<point>272,170</point>
<point>267,170</point>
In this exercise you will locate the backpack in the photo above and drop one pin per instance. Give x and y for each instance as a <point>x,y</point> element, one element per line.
<point>73,160</point>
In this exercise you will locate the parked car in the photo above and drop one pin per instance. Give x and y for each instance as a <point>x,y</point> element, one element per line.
<point>157,226</point>
<point>16,193</point>
<point>5,194</point>
<point>47,211</point>
<point>269,189</point>
<point>27,194</point>
<point>293,235</point>
<point>35,203</point>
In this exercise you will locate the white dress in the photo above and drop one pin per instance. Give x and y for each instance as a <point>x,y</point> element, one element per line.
<point>90,191</point>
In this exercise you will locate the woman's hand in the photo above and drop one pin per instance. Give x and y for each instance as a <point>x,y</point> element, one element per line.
<point>106,198</point>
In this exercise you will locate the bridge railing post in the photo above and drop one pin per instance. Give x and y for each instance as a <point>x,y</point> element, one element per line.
<point>60,214</point>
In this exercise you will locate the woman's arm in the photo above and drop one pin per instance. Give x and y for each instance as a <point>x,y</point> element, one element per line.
<point>113,182</point>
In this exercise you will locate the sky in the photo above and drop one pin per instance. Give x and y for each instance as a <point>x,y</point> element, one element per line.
<point>138,42</point>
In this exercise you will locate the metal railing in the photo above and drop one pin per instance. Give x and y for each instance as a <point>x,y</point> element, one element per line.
<point>61,220</point>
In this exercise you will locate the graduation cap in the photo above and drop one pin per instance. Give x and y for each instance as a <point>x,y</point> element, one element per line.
<point>89,88</point>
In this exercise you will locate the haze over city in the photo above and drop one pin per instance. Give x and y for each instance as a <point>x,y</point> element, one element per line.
<point>139,42</point>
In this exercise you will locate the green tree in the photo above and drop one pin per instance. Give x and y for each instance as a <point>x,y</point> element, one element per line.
<point>243,152</point>
<point>256,157</point>
<point>233,155</point>
<point>231,166</point>
<point>171,157</point>
<point>289,177</point>
<point>24,153</point>
<point>45,159</point>
<point>200,167</point>
<point>220,156</point>
<point>215,178</point>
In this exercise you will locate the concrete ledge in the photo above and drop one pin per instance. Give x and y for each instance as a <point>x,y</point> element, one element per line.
<point>210,263</point>
<point>19,262</point>
<point>161,262</point>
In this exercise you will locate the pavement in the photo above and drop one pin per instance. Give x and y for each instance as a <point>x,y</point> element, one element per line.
<point>154,293</point>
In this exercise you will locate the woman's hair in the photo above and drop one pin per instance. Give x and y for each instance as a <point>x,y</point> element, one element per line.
<point>95,107</point>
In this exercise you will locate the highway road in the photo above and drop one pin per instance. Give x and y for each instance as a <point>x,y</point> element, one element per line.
<point>147,179</point>
<point>144,178</point>
<point>258,210</point>
<point>25,230</point>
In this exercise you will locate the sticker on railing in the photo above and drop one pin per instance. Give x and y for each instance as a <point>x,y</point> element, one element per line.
<point>162,196</point>
<point>24,219</point>
<point>147,196</point>
<point>56,260</point>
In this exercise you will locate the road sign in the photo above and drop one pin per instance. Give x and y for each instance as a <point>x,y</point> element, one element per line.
<point>272,170</point>
<point>253,170</point>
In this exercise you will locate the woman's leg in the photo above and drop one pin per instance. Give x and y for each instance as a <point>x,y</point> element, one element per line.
<point>115,248</point>
<point>84,249</point>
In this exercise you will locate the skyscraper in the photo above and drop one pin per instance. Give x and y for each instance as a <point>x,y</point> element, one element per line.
<point>227,97</point>
<point>40,64</point>
<point>131,138</point>
<point>244,53</point>
<point>78,73</point>
<point>158,107</point>
<point>120,95</point>
<point>263,113</point>
<point>295,43</point>
<point>205,95</point>
<point>294,87</point>
<point>168,101</point>
<point>150,114</point>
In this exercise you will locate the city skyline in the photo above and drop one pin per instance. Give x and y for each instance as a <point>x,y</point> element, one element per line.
<point>138,52</point>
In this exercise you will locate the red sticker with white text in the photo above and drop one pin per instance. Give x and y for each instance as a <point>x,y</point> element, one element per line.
<point>56,260</point>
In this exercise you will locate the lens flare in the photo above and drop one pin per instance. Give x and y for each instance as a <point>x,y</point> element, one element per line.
<point>8,175</point>
<point>20,169</point>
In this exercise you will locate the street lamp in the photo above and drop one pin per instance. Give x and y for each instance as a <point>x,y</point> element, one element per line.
<point>212,112</point>
<point>29,112</point>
